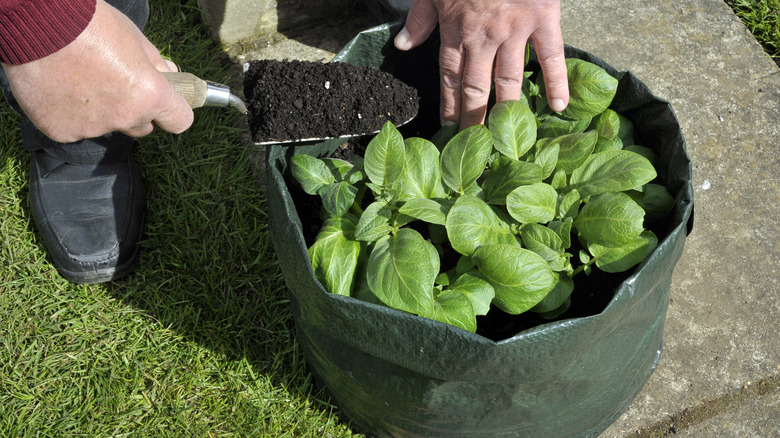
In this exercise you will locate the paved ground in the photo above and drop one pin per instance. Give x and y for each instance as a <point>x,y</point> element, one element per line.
<point>719,375</point>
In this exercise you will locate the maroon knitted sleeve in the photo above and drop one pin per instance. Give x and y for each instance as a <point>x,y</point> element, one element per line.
<point>32,29</point>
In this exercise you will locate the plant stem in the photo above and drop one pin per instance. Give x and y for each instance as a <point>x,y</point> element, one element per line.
<point>355,208</point>
<point>583,266</point>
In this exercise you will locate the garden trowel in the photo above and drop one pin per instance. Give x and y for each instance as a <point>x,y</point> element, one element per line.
<point>199,93</point>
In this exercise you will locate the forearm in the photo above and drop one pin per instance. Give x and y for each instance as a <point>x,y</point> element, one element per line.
<point>33,29</point>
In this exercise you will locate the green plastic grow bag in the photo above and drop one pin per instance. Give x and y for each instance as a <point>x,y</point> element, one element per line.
<point>396,374</point>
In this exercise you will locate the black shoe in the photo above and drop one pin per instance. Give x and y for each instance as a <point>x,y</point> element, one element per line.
<point>88,205</point>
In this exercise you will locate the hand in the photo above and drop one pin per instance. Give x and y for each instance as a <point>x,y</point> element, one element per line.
<point>107,80</point>
<point>475,35</point>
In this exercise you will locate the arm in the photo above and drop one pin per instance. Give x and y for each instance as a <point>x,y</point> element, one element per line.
<point>477,35</point>
<point>106,79</point>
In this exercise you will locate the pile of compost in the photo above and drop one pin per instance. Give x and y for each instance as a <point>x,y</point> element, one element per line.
<point>295,100</point>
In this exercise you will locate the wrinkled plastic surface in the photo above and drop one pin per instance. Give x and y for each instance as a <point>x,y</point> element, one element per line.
<point>395,374</point>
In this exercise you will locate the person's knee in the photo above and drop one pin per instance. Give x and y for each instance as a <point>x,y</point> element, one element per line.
<point>136,10</point>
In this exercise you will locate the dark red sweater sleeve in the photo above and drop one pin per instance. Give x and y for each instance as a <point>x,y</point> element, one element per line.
<point>32,29</point>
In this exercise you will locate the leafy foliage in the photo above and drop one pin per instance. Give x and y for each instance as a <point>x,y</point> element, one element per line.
<point>514,202</point>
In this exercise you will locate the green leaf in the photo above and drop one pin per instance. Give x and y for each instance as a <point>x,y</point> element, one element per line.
<point>399,219</point>
<point>465,264</point>
<point>421,177</point>
<point>505,175</point>
<point>360,289</point>
<point>532,203</point>
<point>513,126</point>
<point>574,149</point>
<point>460,303</point>
<point>426,210</point>
<point>610,219</point>
<point>604,144</point>
<point>612,171</point>
<point>384,158</point>
<point>655,199</point>
<point>454,308</point>
<point>555,126</point>
<point>643,151</point>
<point>569,205</point>
<point>591,89</point>
<point>541,144</point>
<point>563,230</point>
<point>548,159</point>
<point>563,288</point>
<point>444,135</point>
<point>472,223</point>
<point>547,243</point>
<point>520,277</point>
<point>626,131</point>
<point>334,257</point>
<point>607,124</point>
<point>338,197</point>
<point>477,289</point>
<point>401,272</point>
<point>464,158</point>
<point>445,278</point>
<point>374,223</point>
<point>310,172</point>
<point>557,312</point>
<point>626,256</point>
<point>338,168</point>
<point>558,181</point>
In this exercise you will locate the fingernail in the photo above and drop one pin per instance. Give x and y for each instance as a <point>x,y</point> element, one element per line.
<point>171,65</point>
<point>557,105</point>
<point>402,41</point>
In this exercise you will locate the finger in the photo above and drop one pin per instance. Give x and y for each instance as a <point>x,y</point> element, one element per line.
<point>139,130</point>
<point>510,60</point>
<point>172,67</point>
<point>450,72</point>
<point>420,22</point>
<point>475,83</point>
<point>160,63</point>
<point>175,115</point>
<point>548,43</point>
<point>167,109</point>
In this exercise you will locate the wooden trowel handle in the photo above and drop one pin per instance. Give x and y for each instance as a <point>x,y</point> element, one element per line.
<point>198,92</point>
<point>192,88</point>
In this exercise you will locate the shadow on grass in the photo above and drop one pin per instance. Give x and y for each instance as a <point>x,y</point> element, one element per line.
<point>207,269</point>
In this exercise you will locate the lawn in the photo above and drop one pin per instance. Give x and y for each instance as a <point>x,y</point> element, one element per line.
<point>762,18</point>
<point>198,341</point>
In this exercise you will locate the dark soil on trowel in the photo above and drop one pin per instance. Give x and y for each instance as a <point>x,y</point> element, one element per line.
<point>297,100</point>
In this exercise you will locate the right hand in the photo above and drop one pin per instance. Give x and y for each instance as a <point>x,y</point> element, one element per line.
<point>483,41</point>
<point>106,80</point>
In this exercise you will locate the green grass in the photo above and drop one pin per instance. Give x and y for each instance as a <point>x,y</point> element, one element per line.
<point>762,18</point>
<point>198,340</point>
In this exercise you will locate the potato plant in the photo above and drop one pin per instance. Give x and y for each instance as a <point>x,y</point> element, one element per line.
<point>504,214</point>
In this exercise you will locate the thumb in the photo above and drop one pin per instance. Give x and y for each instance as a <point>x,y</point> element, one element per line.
<point>420,22</point>
<point>175,114</point>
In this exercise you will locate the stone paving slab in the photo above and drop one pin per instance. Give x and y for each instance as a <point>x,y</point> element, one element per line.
<point>724,317</point>
<point>754,418</point>
<point>721,336</point>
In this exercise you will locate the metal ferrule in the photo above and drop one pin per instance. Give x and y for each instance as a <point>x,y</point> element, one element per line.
<point>217,94</point>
